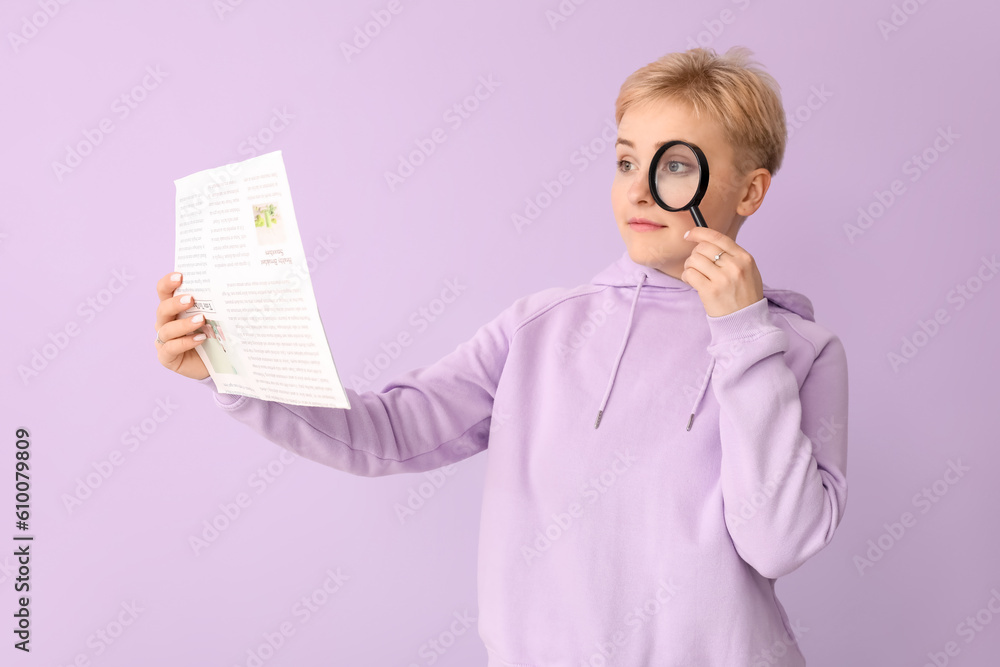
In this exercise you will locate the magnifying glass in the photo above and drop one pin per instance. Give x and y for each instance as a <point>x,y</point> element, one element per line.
<point>678,178</point>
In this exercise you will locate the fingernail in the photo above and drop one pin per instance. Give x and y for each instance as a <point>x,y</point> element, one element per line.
<point>686,233</point>
<point>186,298</point>
<point>175,277</point>
<point>198,318</point>
<point>200,337</point>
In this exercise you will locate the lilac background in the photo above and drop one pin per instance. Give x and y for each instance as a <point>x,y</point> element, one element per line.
<point>61,242</point>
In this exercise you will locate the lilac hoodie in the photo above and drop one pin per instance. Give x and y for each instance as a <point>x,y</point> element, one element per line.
<point>651,469</point>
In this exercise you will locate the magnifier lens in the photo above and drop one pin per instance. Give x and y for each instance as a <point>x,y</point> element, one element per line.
<point>677,176</point>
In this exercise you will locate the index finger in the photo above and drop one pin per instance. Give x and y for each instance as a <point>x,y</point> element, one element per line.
<point>166,285</point>
<point>697,234</point>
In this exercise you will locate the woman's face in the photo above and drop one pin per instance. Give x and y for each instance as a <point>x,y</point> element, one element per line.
<point>643,129</point>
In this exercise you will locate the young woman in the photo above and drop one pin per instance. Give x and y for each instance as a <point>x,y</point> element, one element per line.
<point>650,477</point>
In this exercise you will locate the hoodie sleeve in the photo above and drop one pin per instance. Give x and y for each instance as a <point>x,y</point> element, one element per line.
<point>784,446</point>
<point>425,419</point>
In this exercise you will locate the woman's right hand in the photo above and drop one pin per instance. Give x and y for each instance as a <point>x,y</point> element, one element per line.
<point>177,351</point>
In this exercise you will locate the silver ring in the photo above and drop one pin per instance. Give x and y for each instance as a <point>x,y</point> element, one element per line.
<point>716,260</point>
<point>161,342</point>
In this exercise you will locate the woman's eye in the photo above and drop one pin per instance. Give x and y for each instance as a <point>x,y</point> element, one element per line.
<point>620,165</point>
<point>676,167</point>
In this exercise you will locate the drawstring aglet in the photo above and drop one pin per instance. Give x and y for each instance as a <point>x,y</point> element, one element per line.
<point>690,421</point>
<point>600,413</point>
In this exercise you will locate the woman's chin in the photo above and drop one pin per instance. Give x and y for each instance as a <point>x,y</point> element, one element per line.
<point>649,254</point>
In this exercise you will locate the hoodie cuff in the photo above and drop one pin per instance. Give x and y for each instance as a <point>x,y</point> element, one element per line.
<point>220,398</point>
<point>747,323</point>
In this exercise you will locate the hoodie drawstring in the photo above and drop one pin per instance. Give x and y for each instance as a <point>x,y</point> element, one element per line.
<point>701,392</point>
<point>621,352</point>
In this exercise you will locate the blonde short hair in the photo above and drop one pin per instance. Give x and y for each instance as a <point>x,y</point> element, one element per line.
<point>744,99</point>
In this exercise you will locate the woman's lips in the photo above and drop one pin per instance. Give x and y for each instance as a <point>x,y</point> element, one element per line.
<point>644,227</point>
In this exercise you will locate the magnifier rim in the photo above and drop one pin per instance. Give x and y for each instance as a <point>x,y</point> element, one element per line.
<point>702,179</point>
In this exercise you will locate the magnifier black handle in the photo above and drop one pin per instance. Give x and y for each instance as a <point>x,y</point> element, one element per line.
<point>698,219</point>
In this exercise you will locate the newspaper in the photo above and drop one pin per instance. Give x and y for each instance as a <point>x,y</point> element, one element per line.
<point>241,256</point>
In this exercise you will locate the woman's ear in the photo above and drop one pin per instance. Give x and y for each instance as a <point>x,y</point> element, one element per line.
<point>757,183</point>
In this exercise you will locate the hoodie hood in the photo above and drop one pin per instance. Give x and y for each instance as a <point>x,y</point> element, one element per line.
<point>626,273</point>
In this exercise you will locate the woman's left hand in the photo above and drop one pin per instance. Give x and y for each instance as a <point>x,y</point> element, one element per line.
<point>727,286</point>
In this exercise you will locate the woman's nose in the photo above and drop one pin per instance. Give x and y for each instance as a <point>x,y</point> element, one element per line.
<point>639,190</point>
